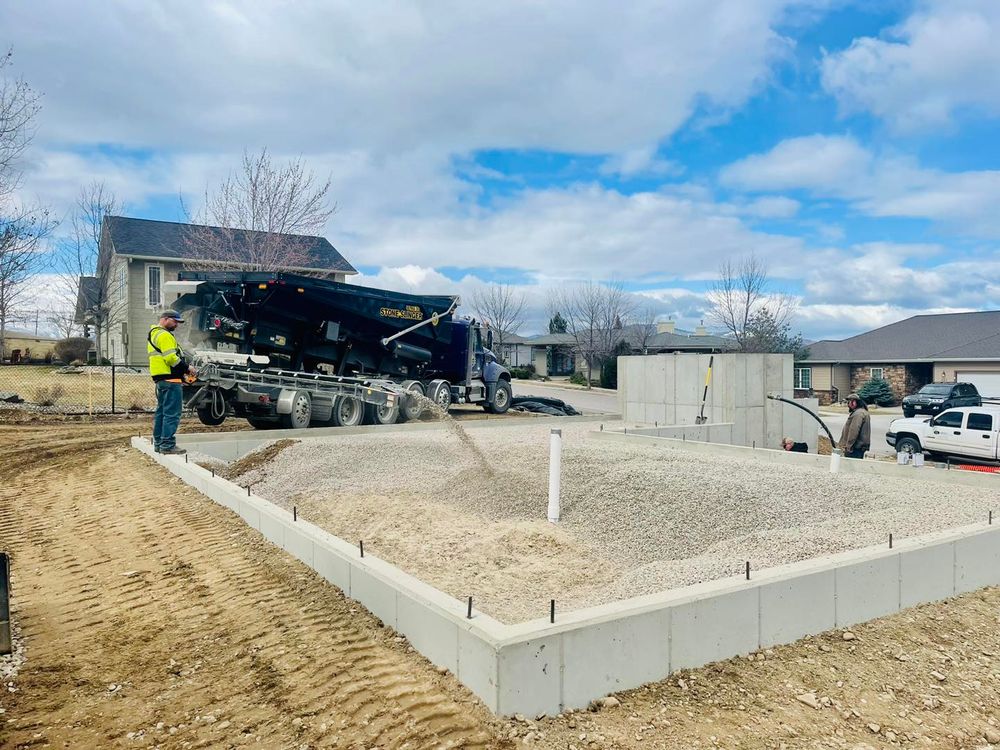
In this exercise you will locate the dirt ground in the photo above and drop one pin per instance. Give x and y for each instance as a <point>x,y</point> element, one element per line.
<point>151,617</point>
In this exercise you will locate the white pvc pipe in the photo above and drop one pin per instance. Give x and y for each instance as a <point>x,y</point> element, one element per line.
<point>555,470</point>
<point>835,461</point>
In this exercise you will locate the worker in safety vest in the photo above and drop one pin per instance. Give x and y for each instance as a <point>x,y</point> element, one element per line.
<point>167,368</point>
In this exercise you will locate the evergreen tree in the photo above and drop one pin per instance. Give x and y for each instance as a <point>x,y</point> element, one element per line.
<point>557,324</point>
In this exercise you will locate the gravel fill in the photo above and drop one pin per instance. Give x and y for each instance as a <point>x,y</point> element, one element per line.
<point>637,519</point>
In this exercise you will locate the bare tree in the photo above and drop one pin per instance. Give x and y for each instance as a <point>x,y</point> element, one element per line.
<point>503,307</point>
<point>19,105</point>
<point>644,328</point>
<point>63,322</point>
<point>282,206</point>
<point>744,305</point>
<point>22,228</point>
<point>596,316</point>
<point>21,236</point>
<point>80,256</point>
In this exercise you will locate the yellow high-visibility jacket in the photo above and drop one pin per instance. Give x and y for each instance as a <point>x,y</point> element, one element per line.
<point>166,360</point>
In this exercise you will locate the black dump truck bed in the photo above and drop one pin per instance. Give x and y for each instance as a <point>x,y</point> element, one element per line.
<point>302,322</point>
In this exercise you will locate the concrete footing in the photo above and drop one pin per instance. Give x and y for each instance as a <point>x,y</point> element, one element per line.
<point>539,667</point>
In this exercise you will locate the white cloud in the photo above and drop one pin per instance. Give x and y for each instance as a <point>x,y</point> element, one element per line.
<point>314,76</point>
<point>942,59</point>
<point>816,162</point>
<point>884,184</point>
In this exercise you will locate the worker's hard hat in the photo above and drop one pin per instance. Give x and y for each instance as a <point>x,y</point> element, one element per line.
<point>172,314</point>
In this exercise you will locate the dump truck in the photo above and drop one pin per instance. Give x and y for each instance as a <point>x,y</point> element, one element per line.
<point>283,350</point>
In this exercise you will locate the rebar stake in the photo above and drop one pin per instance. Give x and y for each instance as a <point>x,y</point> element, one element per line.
<point>295,513</point>
<point>468,615</point>
<point>890,541</point>
<point>248,490</point>
<point>552,610</point>
<point>991,518</point>
<point>748,570</point>
<point>185,458</point>
<point>361,545</point>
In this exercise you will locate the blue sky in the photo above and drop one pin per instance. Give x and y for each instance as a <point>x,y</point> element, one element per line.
<point>851,145</point>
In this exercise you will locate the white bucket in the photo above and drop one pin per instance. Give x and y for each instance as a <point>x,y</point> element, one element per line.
<point>902,458</point>
<point>918,459</point>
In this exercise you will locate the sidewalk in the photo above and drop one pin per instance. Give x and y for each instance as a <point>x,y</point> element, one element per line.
<point>553,383</point>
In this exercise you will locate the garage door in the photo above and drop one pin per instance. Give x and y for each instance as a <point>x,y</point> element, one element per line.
<point>987,383</point>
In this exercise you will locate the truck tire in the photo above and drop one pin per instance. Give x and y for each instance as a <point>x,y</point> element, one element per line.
<point>908,445</point>
<point>381,414</point>
<point>501,398</point>
<point>301,413</point>
<point>439,391</point>
<point>411,408</point>
<point>206,417</point>
<point>347,411</point>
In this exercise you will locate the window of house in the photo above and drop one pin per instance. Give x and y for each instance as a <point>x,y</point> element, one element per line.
<point>122,281</point>
<point>878,373</point>
<point>803,378</point>
<point>982,422</point>
<point>154,277</point>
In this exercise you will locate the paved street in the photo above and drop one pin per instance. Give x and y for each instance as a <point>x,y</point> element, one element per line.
<point>586,402</point>
<point>879,423</point>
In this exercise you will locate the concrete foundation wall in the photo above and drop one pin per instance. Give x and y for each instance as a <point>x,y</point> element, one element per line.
<point>539,667</point>
<point>668,390</point>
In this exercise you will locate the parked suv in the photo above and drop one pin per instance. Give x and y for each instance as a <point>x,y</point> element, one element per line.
<point>936,397</point>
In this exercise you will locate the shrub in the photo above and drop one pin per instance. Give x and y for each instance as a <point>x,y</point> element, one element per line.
<point>877,391</point>
<point>526,372</point>
<point>578,378</point>
<point>71,349</point>
<point>48,395</point>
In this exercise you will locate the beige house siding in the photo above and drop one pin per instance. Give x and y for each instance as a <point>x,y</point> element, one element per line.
<point>820,376</point>
<point>142,315</point>
<point>947,372</point>
<point>840,378</point>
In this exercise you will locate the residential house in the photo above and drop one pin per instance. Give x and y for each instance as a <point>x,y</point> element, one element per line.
<point>515,351</point>
<point>21,347</point>
<point>143,254</point>
<point>668,339</point>
<point>556,353</point>
<point>952,347</point>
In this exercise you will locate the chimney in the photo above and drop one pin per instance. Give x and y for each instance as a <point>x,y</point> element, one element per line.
<point>700,329</point>
<point>665,326</point>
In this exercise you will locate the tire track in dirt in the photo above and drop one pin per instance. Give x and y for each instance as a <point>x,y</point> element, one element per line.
<point>142,602</point>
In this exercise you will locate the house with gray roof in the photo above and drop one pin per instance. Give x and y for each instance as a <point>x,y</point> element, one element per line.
<point>951,347</point>
<point>555,353</point>
<point>141,255</point>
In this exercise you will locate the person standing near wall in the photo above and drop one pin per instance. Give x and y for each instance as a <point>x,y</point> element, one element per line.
<point>167,367</point>
<point>855,438</point>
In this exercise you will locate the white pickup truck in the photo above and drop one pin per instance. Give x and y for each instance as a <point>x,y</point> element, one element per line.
<point>969,432</point>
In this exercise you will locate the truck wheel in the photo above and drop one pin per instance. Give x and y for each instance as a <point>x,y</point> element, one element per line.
<point>908,445</point>
<point>411,408</point>
<point>439,391</point>
<point>347,411</point>
<point>301,412</point>
<point>501,398</point>
<point>206,417</point>
<point>381,414</point>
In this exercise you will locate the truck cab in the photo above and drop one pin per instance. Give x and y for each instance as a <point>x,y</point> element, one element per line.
<point>968,432</point>
<point>471,369</point>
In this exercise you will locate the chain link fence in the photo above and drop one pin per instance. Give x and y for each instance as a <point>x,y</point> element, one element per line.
<point>59,389</point>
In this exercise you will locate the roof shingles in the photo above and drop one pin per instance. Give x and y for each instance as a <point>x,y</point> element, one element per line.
<point>147,238</point>
<point>973,335</point>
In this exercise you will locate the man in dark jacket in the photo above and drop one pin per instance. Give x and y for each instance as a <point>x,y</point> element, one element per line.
<point>856,437</point>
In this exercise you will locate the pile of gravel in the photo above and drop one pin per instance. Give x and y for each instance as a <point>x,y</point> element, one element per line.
<point>465,511</point>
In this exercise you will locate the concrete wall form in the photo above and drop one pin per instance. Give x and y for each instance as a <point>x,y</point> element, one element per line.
<point>668,390</point>
<point>538,667</point>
